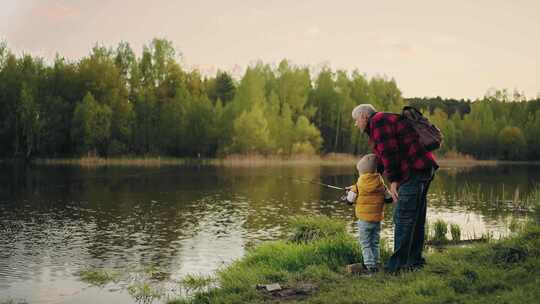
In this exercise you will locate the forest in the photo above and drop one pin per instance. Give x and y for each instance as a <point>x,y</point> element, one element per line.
<point>114,102</point>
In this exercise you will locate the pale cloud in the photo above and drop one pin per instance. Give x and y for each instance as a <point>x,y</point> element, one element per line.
<point>444,40</point>
<point>55,12</point>
<point>392,46</point>
<point>313,31</point>
<point>404,48</point>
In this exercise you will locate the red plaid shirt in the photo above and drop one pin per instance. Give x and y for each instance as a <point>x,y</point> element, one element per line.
<point>396,144</point>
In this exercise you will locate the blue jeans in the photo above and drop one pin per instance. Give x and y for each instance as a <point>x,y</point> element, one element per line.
<point>409,221</point>
<point>368,235</point>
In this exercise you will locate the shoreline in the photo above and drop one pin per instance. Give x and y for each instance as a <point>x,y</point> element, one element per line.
<point>310,266</point>
<point>313,271</point>
<point>247,160</point>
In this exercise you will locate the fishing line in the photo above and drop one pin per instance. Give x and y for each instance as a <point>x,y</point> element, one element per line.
<point>316,183</point>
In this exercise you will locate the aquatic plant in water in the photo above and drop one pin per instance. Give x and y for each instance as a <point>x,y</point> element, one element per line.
<point>144,292</point>
<point>455,231</point>
<point>197,282</point>
<point>99,277</point>
<point>440,228</point>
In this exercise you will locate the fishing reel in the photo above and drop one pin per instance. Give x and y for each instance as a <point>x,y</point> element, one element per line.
<point>348,197</point>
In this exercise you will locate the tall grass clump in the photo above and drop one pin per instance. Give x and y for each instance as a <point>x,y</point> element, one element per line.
<point>307,229</point>
<point>440,229</point>
<point>455,231</point>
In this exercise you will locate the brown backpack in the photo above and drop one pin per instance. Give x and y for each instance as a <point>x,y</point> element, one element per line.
<point>428,134</point>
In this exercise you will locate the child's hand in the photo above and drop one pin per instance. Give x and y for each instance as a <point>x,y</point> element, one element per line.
<point>351,196</point>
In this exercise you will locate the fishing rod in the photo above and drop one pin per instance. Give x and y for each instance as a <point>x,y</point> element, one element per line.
<point>327,185</point>
<point>318,183</point>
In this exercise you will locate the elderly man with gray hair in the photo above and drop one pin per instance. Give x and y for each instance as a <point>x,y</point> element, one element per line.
<point>409,168</point>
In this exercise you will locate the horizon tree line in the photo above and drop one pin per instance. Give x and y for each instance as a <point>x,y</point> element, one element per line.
<point>115,103</point>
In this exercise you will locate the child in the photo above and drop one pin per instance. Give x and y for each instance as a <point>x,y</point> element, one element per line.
<point>369,194</point>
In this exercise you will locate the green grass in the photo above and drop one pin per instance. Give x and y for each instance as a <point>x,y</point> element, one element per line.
<point>507,271</point>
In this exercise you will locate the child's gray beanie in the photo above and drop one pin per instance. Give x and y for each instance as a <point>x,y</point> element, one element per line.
<point>367,164</point>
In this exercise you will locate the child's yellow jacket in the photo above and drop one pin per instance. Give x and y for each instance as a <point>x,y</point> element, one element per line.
<point>370,200</point>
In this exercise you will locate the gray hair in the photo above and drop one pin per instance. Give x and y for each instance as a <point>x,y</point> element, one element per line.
<point>363,108</point>
<point>367,164</point>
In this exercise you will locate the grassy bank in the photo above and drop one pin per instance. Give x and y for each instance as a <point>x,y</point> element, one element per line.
<point>310,266</point>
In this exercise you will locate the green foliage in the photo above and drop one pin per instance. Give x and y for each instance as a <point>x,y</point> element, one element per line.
<point>292,87</point>
<point>221,88</point>
<point>306,134</point>
<point>91,124</point>
<point>303,148</point>
<point>251,132</point>
<point>28,116</point>
<point>148,103</point>
<point>451,107</point>
<point>512,143</point>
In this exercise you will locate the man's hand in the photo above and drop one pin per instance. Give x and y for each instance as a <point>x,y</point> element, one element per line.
<point>394,191</point>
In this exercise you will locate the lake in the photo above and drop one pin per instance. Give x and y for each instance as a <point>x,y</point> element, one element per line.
<point>56,221</point>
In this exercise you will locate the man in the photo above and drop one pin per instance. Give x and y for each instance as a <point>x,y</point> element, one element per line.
<point>409,168</point>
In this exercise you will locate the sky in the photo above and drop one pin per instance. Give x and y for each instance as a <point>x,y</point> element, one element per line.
<point>452,49</point>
